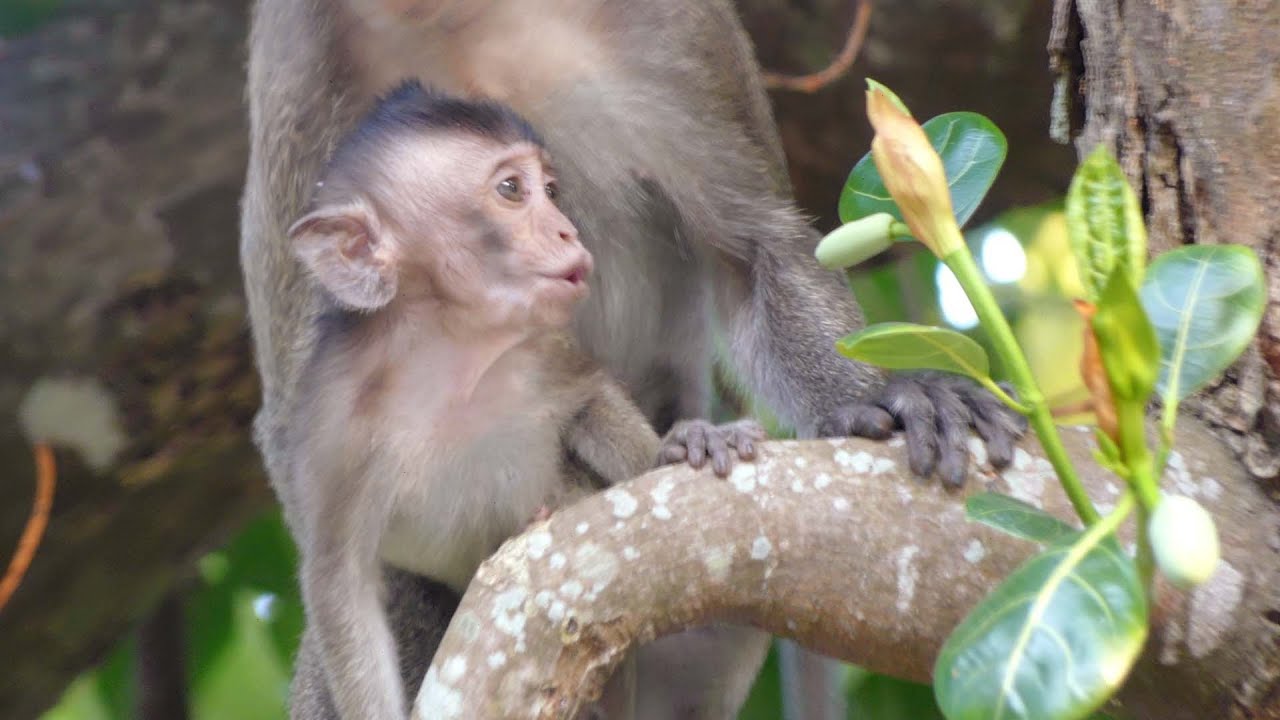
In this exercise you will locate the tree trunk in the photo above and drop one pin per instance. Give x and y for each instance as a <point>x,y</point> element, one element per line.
<point>123,145</point>
<point>1187,94</point>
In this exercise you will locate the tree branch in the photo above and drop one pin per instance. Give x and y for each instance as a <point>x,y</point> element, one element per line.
<point>833,544</point>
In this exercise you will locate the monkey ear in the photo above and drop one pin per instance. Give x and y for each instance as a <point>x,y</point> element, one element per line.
<point>343,247</point>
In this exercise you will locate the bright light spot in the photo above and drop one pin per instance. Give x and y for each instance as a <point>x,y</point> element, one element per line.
<point>956,309</point>
<point>1003,258</point>
<point>264,606</point>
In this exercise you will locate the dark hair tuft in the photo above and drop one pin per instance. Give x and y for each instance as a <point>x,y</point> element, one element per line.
<point>412,109</point>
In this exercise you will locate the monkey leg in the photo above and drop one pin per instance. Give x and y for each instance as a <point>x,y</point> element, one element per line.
<point>418,612</point>
<point>700,674</point>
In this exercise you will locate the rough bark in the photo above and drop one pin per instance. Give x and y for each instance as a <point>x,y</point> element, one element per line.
<point>833,544</point>
<point>1187,93</point>
<point>122,149</point>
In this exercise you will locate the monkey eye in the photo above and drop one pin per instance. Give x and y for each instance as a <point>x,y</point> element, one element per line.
<point>553,191</point>
<point>511,189</point>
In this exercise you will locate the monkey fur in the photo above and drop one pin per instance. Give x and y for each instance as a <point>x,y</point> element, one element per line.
<point>659,123</point>
<point>444,405</point>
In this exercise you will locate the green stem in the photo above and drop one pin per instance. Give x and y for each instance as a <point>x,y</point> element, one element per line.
<point>1003,397</point>
<point>997,328</point>
<point>1169,413</point>
<point>1132,419</point>
<point>1166,439</point>
<point>1146,556</point>
<point>1108,523</point>
<point>900,231</point>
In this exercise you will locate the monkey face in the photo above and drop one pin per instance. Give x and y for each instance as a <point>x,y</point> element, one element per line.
<point>532,252</point>
<point>462,223</point>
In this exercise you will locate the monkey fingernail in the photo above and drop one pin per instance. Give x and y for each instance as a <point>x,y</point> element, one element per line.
<point>721,465</point>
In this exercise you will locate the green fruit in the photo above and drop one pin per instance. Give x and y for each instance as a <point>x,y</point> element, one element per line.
<point>855,242</point>
<point>1185,541</point>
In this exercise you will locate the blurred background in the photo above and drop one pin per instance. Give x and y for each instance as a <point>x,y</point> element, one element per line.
<point>165,586</point>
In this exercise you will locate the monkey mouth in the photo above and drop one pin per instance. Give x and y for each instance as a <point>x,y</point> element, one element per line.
<point>574,275</point>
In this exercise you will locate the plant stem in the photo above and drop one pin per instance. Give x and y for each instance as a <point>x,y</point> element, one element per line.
<point>1110,522</point>
<point>1132,417</point>
<point>997,328</point>
<point>1146,556</point>
<point>1003,396</point>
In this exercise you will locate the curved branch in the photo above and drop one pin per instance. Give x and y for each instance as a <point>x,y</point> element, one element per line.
<point>29,541</point>
<point>815,81</point>
<point>830,543</point>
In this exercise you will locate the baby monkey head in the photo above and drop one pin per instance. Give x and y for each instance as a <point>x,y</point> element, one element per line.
<point>441,203</point>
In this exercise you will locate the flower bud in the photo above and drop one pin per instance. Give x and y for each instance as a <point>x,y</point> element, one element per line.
<point>1184,540</point>
<point>912,172</point>
<point>855,242</point>
<point>1094,375</point>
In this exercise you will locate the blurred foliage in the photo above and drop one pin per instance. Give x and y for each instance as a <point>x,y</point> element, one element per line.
<point>244,614</point>
<point>21,16</point>
<point>879,697</point>
<point>765,700</point>
<point>1038,304</point>
<point>243,618</point>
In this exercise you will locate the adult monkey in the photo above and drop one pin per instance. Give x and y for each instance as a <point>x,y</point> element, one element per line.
<point>655,113</point>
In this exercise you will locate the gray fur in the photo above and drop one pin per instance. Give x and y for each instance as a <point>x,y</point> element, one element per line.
<point>673,174</point>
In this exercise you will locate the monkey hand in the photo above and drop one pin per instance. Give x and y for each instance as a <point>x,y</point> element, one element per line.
<point>936,410</point>
<point>697,441</point>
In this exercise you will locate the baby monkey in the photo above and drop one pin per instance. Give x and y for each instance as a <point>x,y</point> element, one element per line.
<point>445,405</point>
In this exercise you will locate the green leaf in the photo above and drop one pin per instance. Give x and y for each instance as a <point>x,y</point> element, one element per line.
<point>1205,302</point>
<point>1052,642</point>
<point>871,695</point>
<point>1126,341</point>
<point>907,346</point>
<point>1017,518</point>
<point>18,17</point>
<point>972,150</point>
<point>1104,223</point>
<point>765,699</point>
<point>1107,454</point>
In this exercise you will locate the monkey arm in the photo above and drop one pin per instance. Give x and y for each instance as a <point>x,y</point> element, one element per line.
<point>610,436</point>
<point>784,318</point>
<point>782,315</point>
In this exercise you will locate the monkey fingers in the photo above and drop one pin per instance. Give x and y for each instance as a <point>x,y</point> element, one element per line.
<point>857,419</point>
<point>997,425</point>
<point>696,441</point>
<point>936,410</point>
